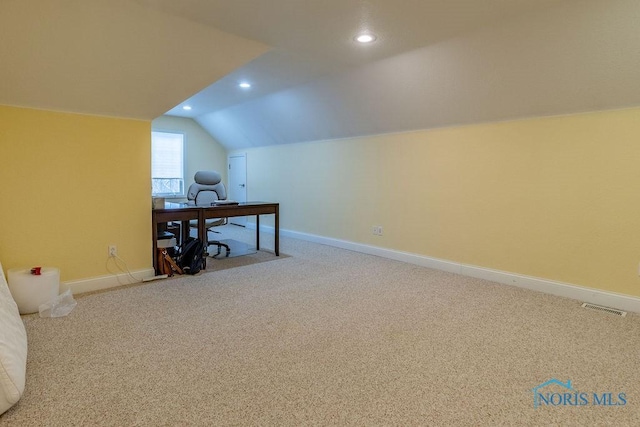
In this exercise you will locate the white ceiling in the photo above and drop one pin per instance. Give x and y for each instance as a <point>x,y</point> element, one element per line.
<point>435,63</point>
<point>315,38</point>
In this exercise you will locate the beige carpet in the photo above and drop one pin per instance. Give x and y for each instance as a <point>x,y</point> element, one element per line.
<point>325,337</point>
<point>223,263</point>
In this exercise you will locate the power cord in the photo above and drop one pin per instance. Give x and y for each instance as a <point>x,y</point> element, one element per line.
<point>126,269</point>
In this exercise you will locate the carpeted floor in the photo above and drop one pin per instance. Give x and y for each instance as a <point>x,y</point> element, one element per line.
<point>327,337</point>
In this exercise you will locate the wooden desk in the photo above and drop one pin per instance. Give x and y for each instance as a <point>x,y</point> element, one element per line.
<point>182,212</point>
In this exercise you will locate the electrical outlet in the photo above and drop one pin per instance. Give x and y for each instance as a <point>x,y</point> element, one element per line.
<point>113,250</point>
<point>377,230</point>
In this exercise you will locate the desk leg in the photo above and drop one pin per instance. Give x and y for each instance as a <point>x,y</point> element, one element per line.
<point>185,232</point>
<point>202,229</point>
<point>203,235</point>
<point>257,232</point>
<point>154,236</point>
<point>277,230</point>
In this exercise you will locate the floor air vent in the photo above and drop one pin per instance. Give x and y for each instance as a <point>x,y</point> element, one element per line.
<point>605,309</point>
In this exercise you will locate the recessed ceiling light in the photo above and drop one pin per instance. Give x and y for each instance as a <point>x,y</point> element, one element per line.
<point>365,38</point>
<point>245,85</point>
<point>186,107</point>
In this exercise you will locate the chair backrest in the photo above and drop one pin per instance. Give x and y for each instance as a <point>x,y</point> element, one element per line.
<point>206,189</point>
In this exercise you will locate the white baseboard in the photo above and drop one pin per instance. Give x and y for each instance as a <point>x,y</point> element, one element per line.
<point>567,290</point>
<point>105,282</point>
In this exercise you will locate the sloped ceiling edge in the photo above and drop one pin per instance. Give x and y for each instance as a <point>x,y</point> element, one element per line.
<point>582,57</point>
<point>109,57</point>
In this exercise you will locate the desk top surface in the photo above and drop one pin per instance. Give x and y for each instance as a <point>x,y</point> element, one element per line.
<point>174,205</point>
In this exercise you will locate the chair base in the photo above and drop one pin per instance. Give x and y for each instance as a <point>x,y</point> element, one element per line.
<point>220,245</point>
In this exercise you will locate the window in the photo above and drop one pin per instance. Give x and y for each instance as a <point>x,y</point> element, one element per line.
<point>167,164</point>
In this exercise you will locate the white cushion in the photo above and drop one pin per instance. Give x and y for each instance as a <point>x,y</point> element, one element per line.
<point>13,349</point>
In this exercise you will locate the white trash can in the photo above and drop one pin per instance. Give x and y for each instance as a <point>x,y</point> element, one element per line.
<point>30,290</point>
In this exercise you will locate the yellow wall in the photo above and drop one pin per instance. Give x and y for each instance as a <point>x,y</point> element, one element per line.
<point>202,152</point>
<point>555,198</point>
<point>72,185</point>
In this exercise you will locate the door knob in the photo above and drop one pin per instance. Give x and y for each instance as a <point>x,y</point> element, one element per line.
<point>242,185</point>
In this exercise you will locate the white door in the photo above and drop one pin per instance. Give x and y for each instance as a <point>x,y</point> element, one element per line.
<point>238,184</point>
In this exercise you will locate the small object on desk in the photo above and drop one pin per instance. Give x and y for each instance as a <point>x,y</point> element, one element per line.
<point>223,202</point>
<point>158,203</point>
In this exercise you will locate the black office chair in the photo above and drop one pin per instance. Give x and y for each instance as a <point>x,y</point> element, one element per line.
<point>206,189</point>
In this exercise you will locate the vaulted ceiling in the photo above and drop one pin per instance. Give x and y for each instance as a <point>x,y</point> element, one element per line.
<point>434,63</point>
